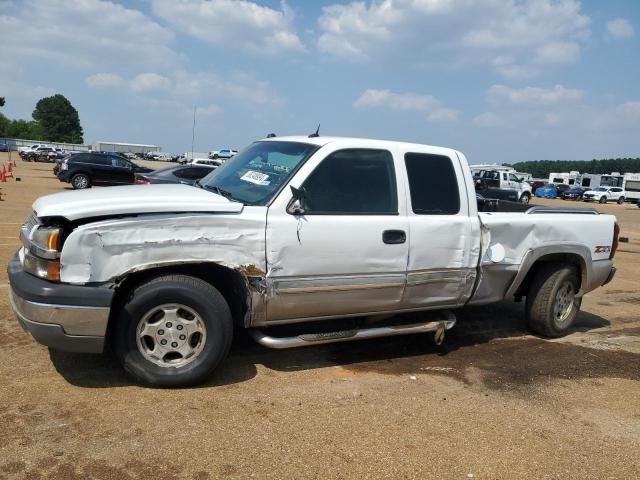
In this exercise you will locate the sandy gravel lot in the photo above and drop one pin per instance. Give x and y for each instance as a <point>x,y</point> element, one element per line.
<point>492,402</point>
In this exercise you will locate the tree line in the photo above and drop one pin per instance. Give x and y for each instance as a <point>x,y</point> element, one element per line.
<point>542,168</point>
<point>54,120</point>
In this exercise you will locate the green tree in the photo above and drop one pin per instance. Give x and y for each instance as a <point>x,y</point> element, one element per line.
<point>58,119</point>
<point>1,101</point>
<point>4,125</point>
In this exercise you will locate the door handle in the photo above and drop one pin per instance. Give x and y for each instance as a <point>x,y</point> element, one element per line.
<point>393,237</point>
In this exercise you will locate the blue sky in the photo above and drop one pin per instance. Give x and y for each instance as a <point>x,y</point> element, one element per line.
<point>501,80</point>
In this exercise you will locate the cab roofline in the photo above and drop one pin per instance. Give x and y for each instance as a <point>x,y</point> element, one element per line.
<point>370,142</point>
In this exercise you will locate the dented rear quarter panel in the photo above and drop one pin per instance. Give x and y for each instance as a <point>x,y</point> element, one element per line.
<point>525,238</point>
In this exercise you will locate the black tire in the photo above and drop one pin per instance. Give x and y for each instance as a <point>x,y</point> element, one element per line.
<point>215,156</point>
<point>525,198</point>
<point>602,200</point>
<point>542,298</point>
<point>620,200</point>
<point>197,295</point>
<point>80,181</point>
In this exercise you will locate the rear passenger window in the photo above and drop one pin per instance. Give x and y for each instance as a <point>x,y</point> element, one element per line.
<point>353,182</point>
<point>433,184</point>
<point>100,160</point>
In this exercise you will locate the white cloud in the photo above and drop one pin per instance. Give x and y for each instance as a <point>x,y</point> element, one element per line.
<point>534,96</point>
<point>148,82</point>
<point>192,88</point>
<point>558,53</point>
<point>620,28</point>
<point>531,33</point>
<point>407,102</point>
<point>104,80</point>
<point>489,119</point>
<point>85,34</point>
<point>233,24</point>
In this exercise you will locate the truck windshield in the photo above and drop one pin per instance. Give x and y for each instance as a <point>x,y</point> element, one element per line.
<point>255,175</point>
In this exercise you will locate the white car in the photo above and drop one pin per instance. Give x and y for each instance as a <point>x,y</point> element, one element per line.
<point>165,273</point>
<point>604,194</point>
<point>205,161</point>
<point>222,153</point>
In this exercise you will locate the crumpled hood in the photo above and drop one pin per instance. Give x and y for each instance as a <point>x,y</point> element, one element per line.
<point>132,199</point>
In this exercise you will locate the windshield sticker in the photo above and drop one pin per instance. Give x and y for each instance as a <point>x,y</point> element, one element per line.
<point>256,177</point>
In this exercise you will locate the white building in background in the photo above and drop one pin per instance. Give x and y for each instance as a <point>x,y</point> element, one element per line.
<point>125,147</point>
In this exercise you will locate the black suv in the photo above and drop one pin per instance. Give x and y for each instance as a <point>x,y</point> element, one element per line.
<point>85,169</point>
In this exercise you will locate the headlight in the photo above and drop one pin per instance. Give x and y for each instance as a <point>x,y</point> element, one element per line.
<point>64,166</point>
<point>40,267</point>
<point>43,242</point>
<point>42,250</point>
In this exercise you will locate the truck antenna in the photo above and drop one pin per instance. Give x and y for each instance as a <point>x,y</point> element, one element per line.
<point>316,134</point>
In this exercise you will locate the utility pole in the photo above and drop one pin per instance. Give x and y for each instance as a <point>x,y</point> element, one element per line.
<point>193,131</point>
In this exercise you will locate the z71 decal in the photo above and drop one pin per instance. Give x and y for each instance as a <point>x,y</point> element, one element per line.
<point>601,249</point>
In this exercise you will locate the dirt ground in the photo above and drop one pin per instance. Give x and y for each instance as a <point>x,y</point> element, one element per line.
<point>492,402</point>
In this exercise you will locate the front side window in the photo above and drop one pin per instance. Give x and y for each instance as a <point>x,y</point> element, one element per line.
<point>352,182</point>
<point>256,175</point>
<point>119,162</point>
<point>513,178</point>
<point>433,184</point>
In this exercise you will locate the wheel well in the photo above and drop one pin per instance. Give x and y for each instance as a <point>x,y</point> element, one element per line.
<point>230,283</point>
<point>558,258</point>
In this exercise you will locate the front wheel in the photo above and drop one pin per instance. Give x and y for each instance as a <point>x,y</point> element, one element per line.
<point>173,331</point>
<point>552,304</point>
<point>620,200</point>
<point>525,198</point>
<point>603,200</point>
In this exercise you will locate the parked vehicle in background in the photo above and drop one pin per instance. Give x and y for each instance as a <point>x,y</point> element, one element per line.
<point>551,190</point>
<point>495,193</point>
<point>222,153</point>
<point>535,184</point>
<point>31,153</point>
<point>4,147</point>
<point>574,193</point>
<point>23,150</point>
<point>205,161</point>
<point>185,174</point>
<point>604,195</point>
<point>43,154</point>
<point>631,187</point>
<point>505,181</point>
<point>164,273</point>
<point>83,170</point>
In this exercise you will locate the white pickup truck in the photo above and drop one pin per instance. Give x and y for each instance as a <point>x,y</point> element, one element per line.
<point>505,181</point>
<point>303,231</point>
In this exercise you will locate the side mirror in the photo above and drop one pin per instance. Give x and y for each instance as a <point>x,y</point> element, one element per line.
<point>296,205</point>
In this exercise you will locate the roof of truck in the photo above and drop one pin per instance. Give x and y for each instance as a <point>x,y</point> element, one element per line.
<point>322,140</point>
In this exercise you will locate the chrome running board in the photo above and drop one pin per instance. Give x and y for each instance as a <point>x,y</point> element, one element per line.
<point>440,327</point>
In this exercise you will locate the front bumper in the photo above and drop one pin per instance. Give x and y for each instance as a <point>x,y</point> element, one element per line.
<point>65,317</point>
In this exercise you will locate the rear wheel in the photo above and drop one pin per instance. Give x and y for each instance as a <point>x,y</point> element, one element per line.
<point>603,200</point>
<point>173,331</point>
<point>80,181</point>
<point>620,200</point>
<point>552,304</point>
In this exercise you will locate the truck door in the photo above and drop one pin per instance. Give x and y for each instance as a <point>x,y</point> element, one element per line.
<point>444,237</point>
<point>347,252</point>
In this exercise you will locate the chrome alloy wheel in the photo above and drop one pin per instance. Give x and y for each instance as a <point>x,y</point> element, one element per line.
<point>80,182</point>
<point>564,302</point>
<point>171,335</point>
